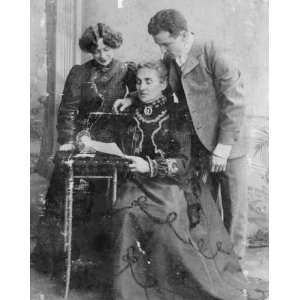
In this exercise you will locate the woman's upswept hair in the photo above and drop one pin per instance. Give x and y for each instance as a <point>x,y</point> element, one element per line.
<point>89,39</point>
<point>169,20</point>
<point>156,65</point>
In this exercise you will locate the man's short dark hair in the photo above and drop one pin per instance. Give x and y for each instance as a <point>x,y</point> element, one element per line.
<point>170,20</point>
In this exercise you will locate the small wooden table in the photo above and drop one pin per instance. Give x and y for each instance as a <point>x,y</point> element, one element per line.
<point>86,166</point>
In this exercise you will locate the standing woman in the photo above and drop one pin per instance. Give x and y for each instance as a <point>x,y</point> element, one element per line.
<point>94,85</point>
<point>90,87</point>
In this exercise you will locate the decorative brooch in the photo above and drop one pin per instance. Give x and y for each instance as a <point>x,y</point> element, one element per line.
<point>148,111</point>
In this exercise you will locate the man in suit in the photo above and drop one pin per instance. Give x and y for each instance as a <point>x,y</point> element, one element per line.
<point>209,89</point>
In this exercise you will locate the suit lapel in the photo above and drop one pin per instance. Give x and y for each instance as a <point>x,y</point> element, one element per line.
<point>192,59</point>
<point>189,65</point>
<point>191,62</point>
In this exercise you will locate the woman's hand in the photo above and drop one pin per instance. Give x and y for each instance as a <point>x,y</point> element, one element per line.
<point>85,140</point>
<point>138,164</point>
<point>67,147</point>
<point>121,104</point>
<point>85,144</point>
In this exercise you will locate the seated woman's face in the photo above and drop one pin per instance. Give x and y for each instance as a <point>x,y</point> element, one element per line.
<point>149,85</point>
<point>104,54</point>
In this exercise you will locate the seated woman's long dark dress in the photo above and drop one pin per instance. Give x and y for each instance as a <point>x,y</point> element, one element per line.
<point>155,256</point>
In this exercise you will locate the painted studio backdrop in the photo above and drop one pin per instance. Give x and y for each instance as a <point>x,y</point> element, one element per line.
<point>241,26</point>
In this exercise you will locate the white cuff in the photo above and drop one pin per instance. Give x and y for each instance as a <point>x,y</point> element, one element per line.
<point>222,150</point>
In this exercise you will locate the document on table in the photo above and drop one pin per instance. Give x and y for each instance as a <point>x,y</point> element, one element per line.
<point>109,148</point>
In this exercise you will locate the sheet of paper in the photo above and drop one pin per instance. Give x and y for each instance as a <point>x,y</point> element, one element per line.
<point>91,155</point>
<point>109,148</point>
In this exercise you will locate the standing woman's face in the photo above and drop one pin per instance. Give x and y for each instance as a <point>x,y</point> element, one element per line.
<point>104,54</point>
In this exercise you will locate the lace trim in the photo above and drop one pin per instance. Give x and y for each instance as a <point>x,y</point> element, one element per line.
<point>156,103</point>
<point>156,150</point>
<point>161,167</point>
<point>140,146</point>
<point>156,119</point>
<point>151,166</point>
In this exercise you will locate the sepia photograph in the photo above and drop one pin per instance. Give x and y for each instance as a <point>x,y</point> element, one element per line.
<point>149,149</point>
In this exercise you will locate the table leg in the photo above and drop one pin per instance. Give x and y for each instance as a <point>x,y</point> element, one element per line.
<point>115,183</point>
<point>68,225</point>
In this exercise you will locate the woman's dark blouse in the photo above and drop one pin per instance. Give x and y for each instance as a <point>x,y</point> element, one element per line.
<point>161,139</point>
<point>91,87</point>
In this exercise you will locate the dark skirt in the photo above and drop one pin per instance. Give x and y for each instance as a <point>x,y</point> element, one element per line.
<point>156,252</point>
<point>157,256</point>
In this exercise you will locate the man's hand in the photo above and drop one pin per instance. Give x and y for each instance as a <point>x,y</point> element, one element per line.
<point>219,158</point>
<point>67,147</point>
<point>218,164</point>
<point>138,164</point>
<point>121,104</point>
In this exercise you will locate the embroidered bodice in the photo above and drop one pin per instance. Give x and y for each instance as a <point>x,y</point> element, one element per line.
<point>151,128</point>
<point>155,135</point>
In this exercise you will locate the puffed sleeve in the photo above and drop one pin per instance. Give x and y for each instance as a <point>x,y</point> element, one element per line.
<point>177,161</point>
<point>130,77</point>
<point>68,108</point>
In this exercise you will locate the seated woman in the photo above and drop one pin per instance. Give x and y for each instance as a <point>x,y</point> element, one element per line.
<point>90,87</point>
<point>155,256</point>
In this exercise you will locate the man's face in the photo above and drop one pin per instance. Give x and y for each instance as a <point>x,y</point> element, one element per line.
<point>172,45</point>
<point>148,84</point>
<point>104,54</point>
